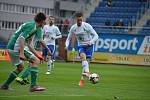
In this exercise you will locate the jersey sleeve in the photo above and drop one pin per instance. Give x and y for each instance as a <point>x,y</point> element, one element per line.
<point>69,36</point>
<point>27,29</point>
<point>57,31</point>
<point>90,29</point>
<point>93,32</point>
<point>24,31</point>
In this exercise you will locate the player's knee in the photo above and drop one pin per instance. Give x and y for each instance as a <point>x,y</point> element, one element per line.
<point>20,67</point>
<point>82,57</point>
<point>36,61</point>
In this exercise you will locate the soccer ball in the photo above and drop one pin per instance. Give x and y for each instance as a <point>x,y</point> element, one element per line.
<point>94,78</point>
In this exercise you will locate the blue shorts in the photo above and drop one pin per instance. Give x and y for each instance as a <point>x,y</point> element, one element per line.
<point>88,50</point>
<point>51,48</point>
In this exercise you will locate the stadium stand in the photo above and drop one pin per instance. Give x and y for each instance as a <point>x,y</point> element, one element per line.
<point>104,19</point>
<point>2,45</point>
<point>146,29</point>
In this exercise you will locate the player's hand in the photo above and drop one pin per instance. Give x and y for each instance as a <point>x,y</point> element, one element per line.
<point>73,50</point>
<point>41,59</point>
<point>22,57</point>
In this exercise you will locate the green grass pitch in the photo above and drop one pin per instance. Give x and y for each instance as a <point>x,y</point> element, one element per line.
<point>118,82</point>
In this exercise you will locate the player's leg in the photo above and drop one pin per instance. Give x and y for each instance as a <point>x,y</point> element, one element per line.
<point>44,55</point>
<point>25,75</point>
<point>89,54</point>
<point>49,60</point>
<point>23,78</point>
<point>53,57</point>
<point>85,66</point>
<point>49,65</point>
<point>33,66</point>
<point>14,56</point>
<point>85,53</point>
<point>34,62</point>
<point>34,71</point>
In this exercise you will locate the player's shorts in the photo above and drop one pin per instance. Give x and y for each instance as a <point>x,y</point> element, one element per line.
<point>15,59</point>
<point>51,48</point>
<point>88,50</point>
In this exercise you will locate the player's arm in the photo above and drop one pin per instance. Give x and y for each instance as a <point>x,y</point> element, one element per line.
<point>58,34</point>
<point>56,37</point>
<point>94,34</point>
<point>21,45</point>
<point>69,37</point>
<point>41,41</point>
<point>31,47</point>
<point>45,46</point>
<point>21,42</point>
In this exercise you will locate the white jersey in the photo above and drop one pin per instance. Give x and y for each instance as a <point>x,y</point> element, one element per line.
<point>50,34</point>
<point>84,34</point>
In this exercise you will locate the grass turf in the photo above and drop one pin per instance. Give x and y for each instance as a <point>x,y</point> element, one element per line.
<point>118,82</point>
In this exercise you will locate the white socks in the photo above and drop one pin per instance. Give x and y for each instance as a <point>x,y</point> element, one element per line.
<point>85,66</point>
<point>49,62</point>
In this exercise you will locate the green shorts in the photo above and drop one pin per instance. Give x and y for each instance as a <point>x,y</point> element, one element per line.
<point>14,56</point>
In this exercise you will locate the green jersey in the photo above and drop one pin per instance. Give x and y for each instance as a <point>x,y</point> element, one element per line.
<point>26,31</point>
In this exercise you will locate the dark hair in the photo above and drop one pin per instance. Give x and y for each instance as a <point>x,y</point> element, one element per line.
<point>79,14</point>
<point>39,17</point>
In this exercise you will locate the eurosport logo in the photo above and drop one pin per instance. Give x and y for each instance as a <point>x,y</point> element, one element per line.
<point>145,46</point>
<point>113,43</point>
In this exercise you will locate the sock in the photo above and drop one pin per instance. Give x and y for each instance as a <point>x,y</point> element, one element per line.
<point>25,73</point>
<point>11,77</point>
<point>49,64</point>
<point>34,72</point>
<point>85,66</point>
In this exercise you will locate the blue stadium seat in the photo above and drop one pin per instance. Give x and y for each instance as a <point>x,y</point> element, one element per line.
<point>127,10</point>
<point>2,45</point>
<point>146,29</point>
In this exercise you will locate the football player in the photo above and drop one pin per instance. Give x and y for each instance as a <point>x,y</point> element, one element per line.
<point>86,37</point>
<point>18,53</point>
<point>50,34</point>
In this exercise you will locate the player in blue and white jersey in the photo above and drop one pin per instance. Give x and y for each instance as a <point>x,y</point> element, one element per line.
<point>86,37</point>
<point>50,34</point>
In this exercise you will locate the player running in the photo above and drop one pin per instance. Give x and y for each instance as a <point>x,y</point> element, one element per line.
<point>86,37</point>
<point>18,52</point>
<point>51,33</point>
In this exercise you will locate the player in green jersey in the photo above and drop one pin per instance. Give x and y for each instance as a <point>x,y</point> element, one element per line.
<point>18,53</point>
<point>23,77</point>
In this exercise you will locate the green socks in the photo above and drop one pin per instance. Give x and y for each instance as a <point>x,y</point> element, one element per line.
<point>34,72</point>
<point>25,73</point>
<point>14,74</point>
<point>11,77</point>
